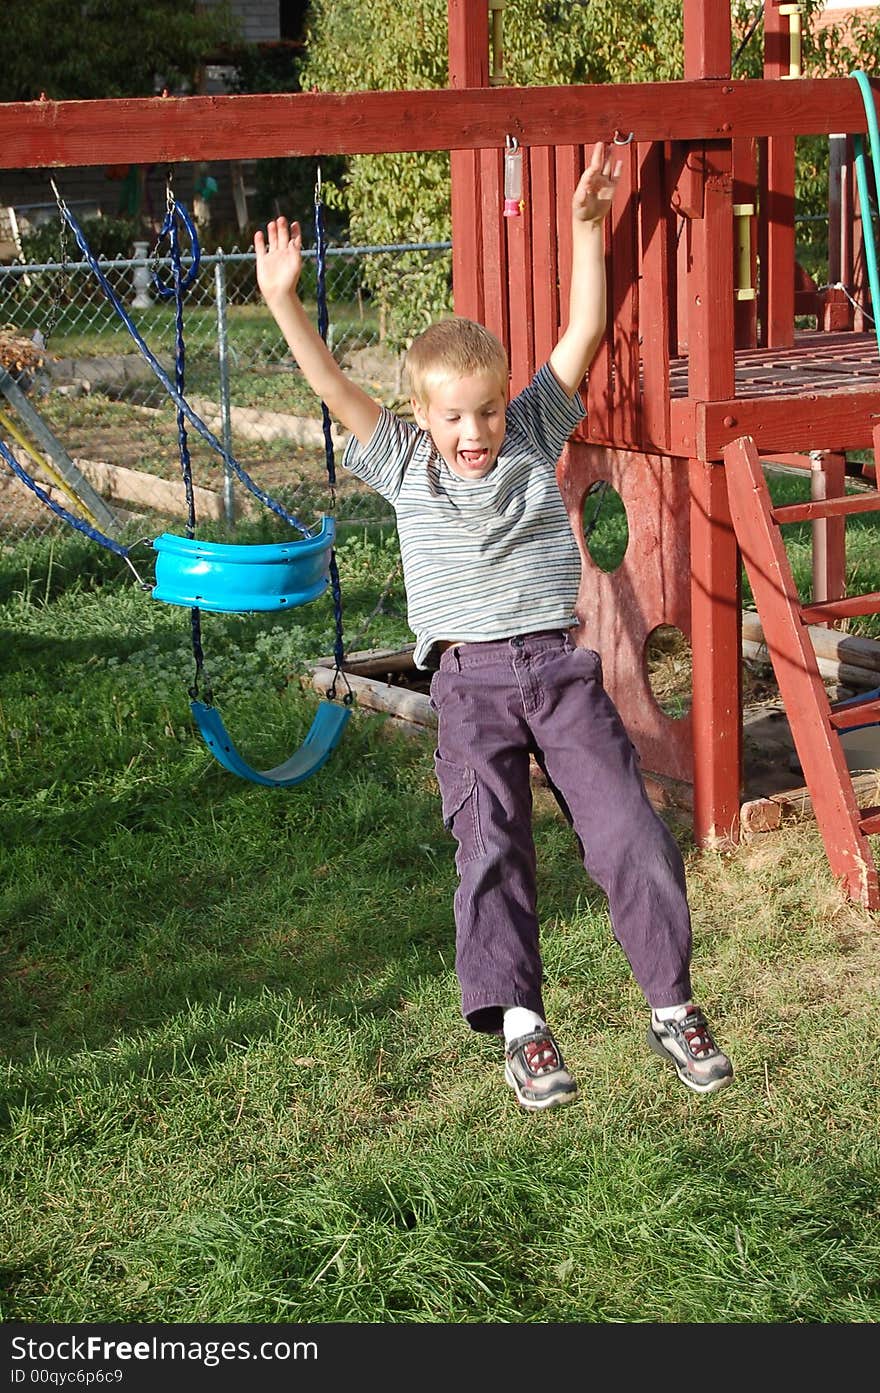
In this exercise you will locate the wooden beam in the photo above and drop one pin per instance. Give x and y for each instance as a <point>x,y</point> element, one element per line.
<point>168,130</point>
<point>829,422</point>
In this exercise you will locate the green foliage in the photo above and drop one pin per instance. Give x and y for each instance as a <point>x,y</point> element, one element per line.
<point>829,51</point>
<point>106,48</point>
<point>380,44</point>
<point>377,44</point>
<point>108,238</point>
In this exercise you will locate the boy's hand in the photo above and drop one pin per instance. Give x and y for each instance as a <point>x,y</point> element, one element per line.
<point>593,195</point>
<point>279,259</point>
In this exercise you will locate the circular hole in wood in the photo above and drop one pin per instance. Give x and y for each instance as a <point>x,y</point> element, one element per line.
<point>669,667</point>
<point>606,530</point>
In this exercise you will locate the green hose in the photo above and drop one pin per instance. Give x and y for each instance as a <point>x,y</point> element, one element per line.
<point>861,164</point>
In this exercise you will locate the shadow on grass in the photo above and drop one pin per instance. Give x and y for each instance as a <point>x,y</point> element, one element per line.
<point>131,910</point>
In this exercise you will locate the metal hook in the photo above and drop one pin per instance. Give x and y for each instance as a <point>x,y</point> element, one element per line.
<point>318,185</point>
<point>58,199</point>
<point>511,143</point>
<point>625,140</point>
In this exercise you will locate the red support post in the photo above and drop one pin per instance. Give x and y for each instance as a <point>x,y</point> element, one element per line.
<point>468,28</point>
<point>706,38</point>
<point>777,249</point>
<point>716,640</point>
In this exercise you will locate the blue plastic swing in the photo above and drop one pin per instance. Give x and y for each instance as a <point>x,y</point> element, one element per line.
<point>236,578</point>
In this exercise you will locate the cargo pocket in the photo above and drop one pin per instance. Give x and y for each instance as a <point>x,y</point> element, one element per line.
<point>460,803</point>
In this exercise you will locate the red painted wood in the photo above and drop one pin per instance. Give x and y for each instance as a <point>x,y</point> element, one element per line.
<point>656,291</point>
<point>828,481</point>
<point>624,311</point>
<point>777,241</point>
<point>468,67</point>
<point>777,197</point>
<point>600,386</point>
<point>468,34</point>
<point>545,272</point>
<point>469,268</point>
<point>618,610</point>
<point>777,43</point>
<point>840,421</point>
<point>521,326</point>
<point>569,167</point>
<point>847,608</point>
<point>156,130</point>
<point>599,426</point>
<point>841,182</point>
<point>710,284</point>
<point>716,640</point>
<point>828,508</point>
<point>797,674</point>
<point>706,38</point>
<point>855,713</point>
<point>494,245</point>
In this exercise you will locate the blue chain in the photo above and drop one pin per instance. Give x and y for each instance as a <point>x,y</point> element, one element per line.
<point>182,404</point>
<point>329,454</point>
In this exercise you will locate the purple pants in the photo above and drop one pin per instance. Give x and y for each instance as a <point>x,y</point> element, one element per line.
<point>497,703</point>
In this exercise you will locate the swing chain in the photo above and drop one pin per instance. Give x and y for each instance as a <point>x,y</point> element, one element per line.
<point>202,688</point>
<point>60,280</point>
<point>154,260</point>
<point>348,698</point>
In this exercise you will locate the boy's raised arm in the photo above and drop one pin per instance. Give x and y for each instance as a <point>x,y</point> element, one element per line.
<point>590,206</point>
<point>279,265</point>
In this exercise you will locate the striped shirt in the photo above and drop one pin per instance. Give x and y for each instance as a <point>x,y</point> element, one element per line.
<point>482,558</point>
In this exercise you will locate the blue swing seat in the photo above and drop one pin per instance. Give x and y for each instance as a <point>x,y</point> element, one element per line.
<point>320,742</point>
<point>234,578</point>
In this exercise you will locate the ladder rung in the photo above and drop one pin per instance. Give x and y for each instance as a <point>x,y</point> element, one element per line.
<point>828,508</point>
<point>856,713</point>
<point>869,821</point>
<point>845,608</point>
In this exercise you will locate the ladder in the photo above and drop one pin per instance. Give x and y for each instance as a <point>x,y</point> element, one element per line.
<point>814,721</point>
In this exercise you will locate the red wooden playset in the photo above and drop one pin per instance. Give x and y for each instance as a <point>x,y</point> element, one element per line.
<point>703,370</point>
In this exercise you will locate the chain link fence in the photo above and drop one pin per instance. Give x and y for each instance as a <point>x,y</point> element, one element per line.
<point>100,404</point>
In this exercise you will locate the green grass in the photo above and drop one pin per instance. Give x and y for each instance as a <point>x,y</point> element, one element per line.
<point>235,1083</point>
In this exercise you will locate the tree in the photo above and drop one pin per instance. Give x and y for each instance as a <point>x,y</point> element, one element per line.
<point>357,45</point>
<point>106,48</point>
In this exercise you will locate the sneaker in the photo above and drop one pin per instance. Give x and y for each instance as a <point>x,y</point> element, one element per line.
<point>686,1042</point>
<point>535,1070</point>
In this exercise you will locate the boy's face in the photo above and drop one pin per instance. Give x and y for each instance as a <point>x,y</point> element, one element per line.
<point>465,418</point>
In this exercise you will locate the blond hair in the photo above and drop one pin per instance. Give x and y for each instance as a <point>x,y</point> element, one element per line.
<point>454,347</point>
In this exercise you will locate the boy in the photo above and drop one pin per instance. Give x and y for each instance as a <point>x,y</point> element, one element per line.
<point>492,571</point>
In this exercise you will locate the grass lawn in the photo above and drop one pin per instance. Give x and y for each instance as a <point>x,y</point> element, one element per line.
<point>235,1083</point>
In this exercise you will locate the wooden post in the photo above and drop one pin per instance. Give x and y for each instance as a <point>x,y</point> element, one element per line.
<point>828,480</point>
<point>468,27</point>
<point>717,668</point>
<point>715,570</point>
<point>706,38</point>
<point>777,198</point>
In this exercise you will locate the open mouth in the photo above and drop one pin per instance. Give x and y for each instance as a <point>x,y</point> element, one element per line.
<point>473,459</point>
